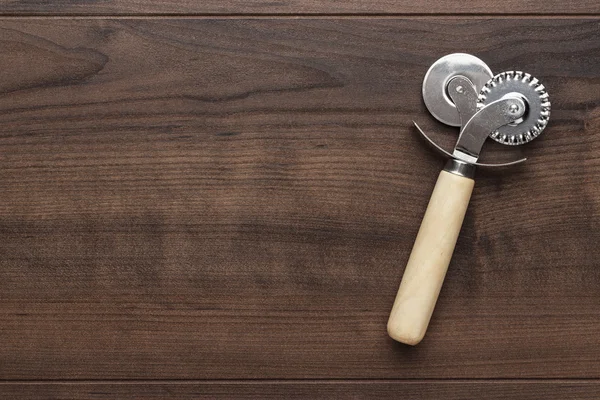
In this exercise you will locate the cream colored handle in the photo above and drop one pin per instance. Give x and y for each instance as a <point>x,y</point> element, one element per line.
<point>429,259</point>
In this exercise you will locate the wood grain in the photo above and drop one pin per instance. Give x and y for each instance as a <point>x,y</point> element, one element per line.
<point>295,7</point>
<point>317,390</point>
<point>236,199</point>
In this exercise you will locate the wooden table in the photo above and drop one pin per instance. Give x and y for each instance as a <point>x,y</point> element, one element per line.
<point>216,199</point>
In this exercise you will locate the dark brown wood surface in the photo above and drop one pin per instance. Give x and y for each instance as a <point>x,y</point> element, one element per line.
<point>294,7</point>
<point>314,390</point>
<point>235,199</point>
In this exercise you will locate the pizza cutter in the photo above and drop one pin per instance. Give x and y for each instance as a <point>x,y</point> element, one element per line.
<point>512,108</point>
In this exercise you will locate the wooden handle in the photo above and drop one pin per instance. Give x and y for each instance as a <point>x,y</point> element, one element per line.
<point>429,259</point>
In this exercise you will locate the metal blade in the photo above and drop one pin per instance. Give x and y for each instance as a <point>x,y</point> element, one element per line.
<point>485,121</point>
<point>444,152</point>
<point>464,95</point>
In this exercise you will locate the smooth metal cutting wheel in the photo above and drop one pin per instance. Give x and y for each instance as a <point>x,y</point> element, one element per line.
<point>435,84</point>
